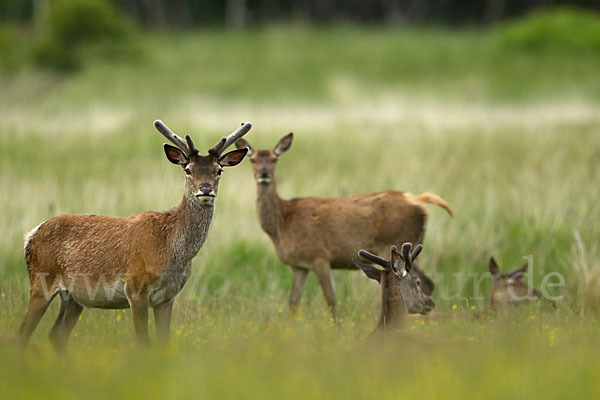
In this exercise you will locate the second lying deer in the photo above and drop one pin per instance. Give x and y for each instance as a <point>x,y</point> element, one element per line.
<point>509,288</point>
<point>318,234</point>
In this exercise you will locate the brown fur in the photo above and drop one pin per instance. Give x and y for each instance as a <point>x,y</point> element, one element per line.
<point>318,234</point>
<point>509,288</point>
<point>401,295</point>
<point>401,291</point>
<point>136,262</point>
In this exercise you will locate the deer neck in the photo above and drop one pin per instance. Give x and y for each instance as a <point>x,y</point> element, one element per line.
<point>192,222</point>
<point>393,309</point>
<point>269,208</point>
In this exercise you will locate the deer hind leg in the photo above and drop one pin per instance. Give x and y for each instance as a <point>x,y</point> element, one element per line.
<point>65,322</point>
<point>39,299</point>
<point>162,322</point>
<point>323,271</point>
<point>298,280</point>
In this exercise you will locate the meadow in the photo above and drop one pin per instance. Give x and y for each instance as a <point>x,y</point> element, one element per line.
<point>511,139</point>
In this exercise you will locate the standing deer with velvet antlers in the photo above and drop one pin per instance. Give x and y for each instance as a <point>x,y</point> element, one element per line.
<point>401,292</point>
<point>136,262</point>
<point>318,234</point>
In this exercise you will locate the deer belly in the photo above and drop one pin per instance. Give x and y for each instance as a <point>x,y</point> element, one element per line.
<point>98,294</point>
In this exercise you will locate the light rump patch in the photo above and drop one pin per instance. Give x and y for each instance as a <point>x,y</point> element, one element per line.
<point>29,235</point>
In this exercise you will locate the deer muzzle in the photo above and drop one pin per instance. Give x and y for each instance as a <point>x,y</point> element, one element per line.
<point>206,195</point>
<point>429,306</point>
<point>263,177</point>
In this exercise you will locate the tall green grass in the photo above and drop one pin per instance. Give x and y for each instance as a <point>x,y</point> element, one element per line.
<point>510,140</point>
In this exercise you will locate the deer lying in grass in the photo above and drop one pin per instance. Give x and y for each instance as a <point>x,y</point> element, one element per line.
<point>136,262</point>
<point>509,288</point>
<point>317,234</point>
<point>401,292</point>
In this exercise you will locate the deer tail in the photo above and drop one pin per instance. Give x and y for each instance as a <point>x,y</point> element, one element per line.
<point>432,198</point>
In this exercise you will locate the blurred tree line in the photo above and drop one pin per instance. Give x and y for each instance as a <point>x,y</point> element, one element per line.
<point>241,13</point>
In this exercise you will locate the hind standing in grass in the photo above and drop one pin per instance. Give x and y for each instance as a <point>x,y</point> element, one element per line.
<point>318,234</point>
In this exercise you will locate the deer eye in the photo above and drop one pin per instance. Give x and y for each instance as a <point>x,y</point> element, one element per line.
<point>219,172</point>
<point>187,171</point>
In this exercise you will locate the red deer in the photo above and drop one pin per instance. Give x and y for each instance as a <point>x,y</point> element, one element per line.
<point>136,262</point>
<point>401,292</point>
<point>318,234</point>
<point>509,288</point>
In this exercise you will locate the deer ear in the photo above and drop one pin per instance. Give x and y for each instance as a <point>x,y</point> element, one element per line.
<point>241,143</point>
<point>396,261</point>
<point>233,157</point>
<point>494,270</point>
<point>284,144</point>
<point>370,272</point>
<point>519,272</point>
<point>175,155</point>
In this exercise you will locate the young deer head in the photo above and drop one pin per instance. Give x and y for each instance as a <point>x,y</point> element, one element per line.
<point>203,172</point>
<point>400,289</point>
<point>264,161</point>
<point>509,288</point>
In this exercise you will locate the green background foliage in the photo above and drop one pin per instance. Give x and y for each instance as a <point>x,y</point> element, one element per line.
<point>510,138</point>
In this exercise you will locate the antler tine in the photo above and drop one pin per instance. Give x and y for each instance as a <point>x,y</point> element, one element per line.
<point>230,139</point>
<point>416,252</point>
<point>190,145</point>
<point>374,258</point>
<point>406,247</point>
<point>172,137</point>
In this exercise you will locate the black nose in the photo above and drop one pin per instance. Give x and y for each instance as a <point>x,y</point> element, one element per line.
<point>206,190</point>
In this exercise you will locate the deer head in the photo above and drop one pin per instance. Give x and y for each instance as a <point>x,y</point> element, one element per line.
<point>202,172</point>
<point>264,161</point>
<point>509,288</point>
<point>399,286</point>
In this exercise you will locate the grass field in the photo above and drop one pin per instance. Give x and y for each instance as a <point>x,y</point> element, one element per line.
<point>510,139</point>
